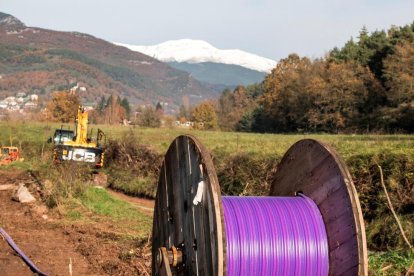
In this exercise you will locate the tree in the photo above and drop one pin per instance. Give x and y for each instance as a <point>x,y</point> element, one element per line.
<point>183,112</point>
<point>101,104</point>
<point>126,106</point>
<point>348,53</point>
<point>63,107</point>
<point>232,106</point>
<point>399,73</point>
<point>284,101</point>
<point>205,114</point>
<point>338,101</point>
<point>113,112</point>
<point>159,109</point>
<point>148,117</point>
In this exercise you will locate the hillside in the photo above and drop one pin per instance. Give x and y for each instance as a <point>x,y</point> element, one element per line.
<point>220,74</point>
<point>38,60</point>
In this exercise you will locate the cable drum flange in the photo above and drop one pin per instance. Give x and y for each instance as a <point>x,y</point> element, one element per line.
<point>188,210</point>
<point>315,168</point>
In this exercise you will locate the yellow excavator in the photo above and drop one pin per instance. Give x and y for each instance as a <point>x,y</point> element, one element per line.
<point>78,145</point>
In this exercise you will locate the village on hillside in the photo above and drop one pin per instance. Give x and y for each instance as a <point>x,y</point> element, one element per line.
<point>20,102</point>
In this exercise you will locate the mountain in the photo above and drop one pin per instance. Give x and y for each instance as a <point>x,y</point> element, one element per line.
<point>209,64</point>
<point>41,60</point>
<point>219,73</point>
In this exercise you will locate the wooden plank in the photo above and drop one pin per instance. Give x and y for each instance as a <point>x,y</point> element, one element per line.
<point>7,187</point>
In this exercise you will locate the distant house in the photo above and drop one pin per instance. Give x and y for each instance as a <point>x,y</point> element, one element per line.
<point>30,105</point>
<point>187,124</point>
<point>34,97</point>
<point>13,106</point>
<point>10,99</point>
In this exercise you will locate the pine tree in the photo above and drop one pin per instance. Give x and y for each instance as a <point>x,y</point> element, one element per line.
<point>126,106</point>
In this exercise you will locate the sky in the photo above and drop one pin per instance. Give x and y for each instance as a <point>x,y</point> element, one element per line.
<point>270,28</point>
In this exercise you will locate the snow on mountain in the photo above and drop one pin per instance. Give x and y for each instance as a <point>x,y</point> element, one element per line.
<point>198,51</point>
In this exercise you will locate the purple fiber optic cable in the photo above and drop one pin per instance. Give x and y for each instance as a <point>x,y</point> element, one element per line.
<point>13,245</point>
<point>275,236</point>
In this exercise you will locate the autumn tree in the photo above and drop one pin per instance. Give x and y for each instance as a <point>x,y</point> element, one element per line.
<point>339,100</point>
<point>205,114</point>
<point>62,107</point>
<point>114,112</point>
<point>304,95</point>
<point>148,117</point>
<point>399,72</point>
<point>232,105</point>
<point>284,102</point>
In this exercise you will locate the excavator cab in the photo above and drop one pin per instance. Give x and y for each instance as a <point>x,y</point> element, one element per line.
<point>62,135</point>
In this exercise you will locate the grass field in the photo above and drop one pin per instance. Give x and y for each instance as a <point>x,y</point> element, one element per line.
<point>227,143</point>
<point>252,158</point>
<point>224,143</point>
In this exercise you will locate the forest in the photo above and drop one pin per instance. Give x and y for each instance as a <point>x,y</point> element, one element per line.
<point>366,86</point>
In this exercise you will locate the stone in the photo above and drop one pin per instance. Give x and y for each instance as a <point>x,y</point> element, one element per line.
<point>22,194</point>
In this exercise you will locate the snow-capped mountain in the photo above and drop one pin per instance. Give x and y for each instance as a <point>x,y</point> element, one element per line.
<point>198,51</point>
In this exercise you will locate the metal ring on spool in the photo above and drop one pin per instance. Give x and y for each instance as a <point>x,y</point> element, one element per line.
<point>194,223</point>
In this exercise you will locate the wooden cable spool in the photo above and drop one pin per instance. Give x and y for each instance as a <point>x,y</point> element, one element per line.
<point>189,235</point>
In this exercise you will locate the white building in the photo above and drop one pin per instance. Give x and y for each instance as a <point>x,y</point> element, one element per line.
<point>10,99</point>
<point>3,104</point>
<point>34,97</point>
<point>30,105</point>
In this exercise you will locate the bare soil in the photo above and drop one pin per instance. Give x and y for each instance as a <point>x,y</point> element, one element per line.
<point>54,245</point>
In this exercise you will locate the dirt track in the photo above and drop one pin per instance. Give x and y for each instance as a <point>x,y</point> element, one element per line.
<point>146,205</point>
<point>52,246</point>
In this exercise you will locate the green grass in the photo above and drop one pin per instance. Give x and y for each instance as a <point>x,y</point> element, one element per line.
<point>223,143</point>
<point>227,143</point>
<point>100,202</point>
<point>389,263</point>
<point>74,215</point>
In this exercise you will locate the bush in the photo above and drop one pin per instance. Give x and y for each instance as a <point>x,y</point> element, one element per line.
<point>133,168</point>
<point>244,174</point>
<point>63,181</point>
<point>382,231</point>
